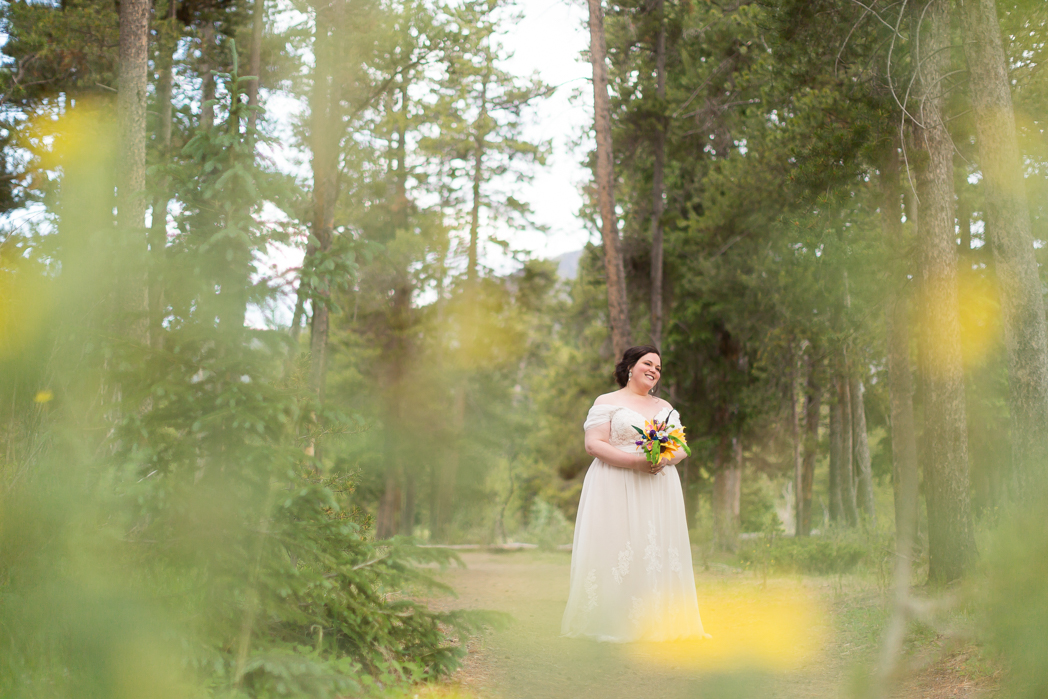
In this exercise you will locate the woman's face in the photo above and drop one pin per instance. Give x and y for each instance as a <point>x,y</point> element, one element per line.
<point>647,372</point>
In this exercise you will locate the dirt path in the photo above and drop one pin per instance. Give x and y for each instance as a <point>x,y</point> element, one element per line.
<point>769,640</point>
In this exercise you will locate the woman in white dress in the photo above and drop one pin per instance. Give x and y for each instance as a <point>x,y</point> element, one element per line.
<point>631,574</point>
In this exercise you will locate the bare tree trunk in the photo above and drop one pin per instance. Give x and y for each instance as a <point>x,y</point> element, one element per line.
<point>399,349</point>
<point>207,80</point>
<point>618,303</point>
<point>900,380</point>
<point>861,444</point>
<point>478,175</point>
<point>964,222</point>
<point>389,505</point>
<point>407,516</point>
<point>659,154</point>
<point>131,182</point>
<point>326,131</point>
<point>735,485</point>
<point>1008,223</point>
<point>448,478</point>
<point>258,19</point>
<point>837,515</point>
<point>167,45</point>
<point>950,539</point>
<point>847,473</point>
<point>795,434</point>
<point>727,491</point>
<point>812,405</point>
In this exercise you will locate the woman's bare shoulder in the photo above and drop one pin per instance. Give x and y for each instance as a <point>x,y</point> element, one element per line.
<point>606,398</point>
<point>663,404</point>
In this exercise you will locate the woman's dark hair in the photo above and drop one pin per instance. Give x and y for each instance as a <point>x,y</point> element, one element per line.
<point>629,359</point>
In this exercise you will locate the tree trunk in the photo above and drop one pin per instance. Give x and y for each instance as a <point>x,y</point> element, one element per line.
<point>207,80</point>
<point>448,478</point>
<point>1008,224</point>
<point>407,516</point>
<point>847,472</point>
<point>478,175</point>
<point>258,19</point>
<point>812,405</point>
<point>900,381</point>
<point>836,451</point>
<point>950,539</point>
<point>964,223</point>
<point>727,491</point>
<point>168,33</point>
<point>795,434</point>
<point>861,443</point>
<point>659,155</point>
<point>326,125</point>
<point>131,182</point>
<point>615,276</point>
<point>389,506</point>
<point>398,352</point>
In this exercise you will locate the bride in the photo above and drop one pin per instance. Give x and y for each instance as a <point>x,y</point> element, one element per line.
<point>631,574</point>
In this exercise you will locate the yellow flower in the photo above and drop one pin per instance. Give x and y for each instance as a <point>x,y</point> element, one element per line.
<point>43,396</point>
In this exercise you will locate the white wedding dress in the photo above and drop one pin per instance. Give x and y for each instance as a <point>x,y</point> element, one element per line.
<point>631,574</point>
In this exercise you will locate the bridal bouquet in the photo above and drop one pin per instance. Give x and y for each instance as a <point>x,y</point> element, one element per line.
<point>661,442</point>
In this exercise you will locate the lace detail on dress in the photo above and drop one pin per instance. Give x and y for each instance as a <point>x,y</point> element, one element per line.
<point>636,610</point>
<point>591,591</point>
<point>675,566</point>
<point>623,568</point>
<point>651,551</point>
<point>622,420</point>
<point>625,514</point>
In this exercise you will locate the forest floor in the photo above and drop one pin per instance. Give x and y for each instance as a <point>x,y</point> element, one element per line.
<point>780,637</point>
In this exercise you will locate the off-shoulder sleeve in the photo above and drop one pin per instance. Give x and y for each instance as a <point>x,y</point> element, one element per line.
<point>673,419</point>
<point>598,415</point>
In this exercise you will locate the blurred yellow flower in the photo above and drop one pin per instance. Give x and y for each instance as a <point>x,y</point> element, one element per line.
<point>780,626</point>
<point>44,396</point>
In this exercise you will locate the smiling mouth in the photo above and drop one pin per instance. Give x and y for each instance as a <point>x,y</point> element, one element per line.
<point>650,376</point>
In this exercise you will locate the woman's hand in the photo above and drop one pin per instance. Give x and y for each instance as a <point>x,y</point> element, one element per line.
<point>598,446</point>
<point>646,466</point>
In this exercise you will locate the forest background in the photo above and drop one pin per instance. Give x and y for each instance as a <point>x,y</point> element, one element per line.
<point>828,215</point>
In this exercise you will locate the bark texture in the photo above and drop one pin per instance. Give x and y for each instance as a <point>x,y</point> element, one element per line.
<point>1008,224</point>
<point>795,435</point>
<point>847,472</point>
<point>861,454</point>
<point>812,406</point>
<point>727,493</point>
<point>258,18</point>
<point>479,131</point>
<point>951,544</point>
<point>402,469</point>
<point>615,276</point>
<point>448,478</point>
<point>900,379</point>
<point>326,134</point>
<point>131,176</point>
<point>208,47</point>
<point>168,34</point>
<point>659,157</point>
<point>836,448</point>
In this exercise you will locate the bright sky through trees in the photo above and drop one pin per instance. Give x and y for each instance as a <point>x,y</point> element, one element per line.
<point>550,40</point>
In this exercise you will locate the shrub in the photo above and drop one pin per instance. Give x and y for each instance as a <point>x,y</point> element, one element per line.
<point>547,525</point>
<point>814,555</point>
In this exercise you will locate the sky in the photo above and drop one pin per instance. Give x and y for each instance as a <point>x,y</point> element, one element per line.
<point>550,40</point>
